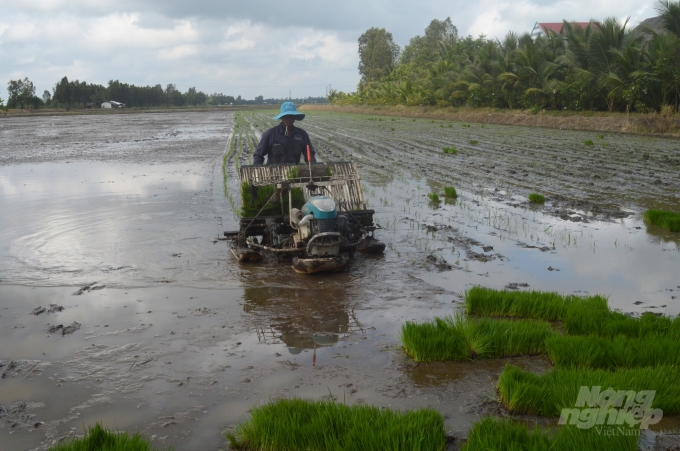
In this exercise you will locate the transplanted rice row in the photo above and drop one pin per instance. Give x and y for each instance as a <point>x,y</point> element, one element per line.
<point>460,338</point>
<point>296,424</point>
<point>524,392</point>
<point>505,434</point>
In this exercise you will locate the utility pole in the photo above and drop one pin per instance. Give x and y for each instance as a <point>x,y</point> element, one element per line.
<point>289,94</point>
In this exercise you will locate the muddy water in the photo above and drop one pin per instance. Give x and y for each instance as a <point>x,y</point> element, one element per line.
<point>115,219</point>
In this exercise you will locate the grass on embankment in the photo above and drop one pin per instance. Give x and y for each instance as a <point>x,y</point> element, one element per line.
<point>461,339</point>
<point>523,392</point>
<point>99,439</point>
<point>296,424</point>
<point>507,435</point>
<point>620,352</point>
<point>665,219</point>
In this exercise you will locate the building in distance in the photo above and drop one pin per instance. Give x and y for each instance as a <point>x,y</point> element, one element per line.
<point>113,104</point>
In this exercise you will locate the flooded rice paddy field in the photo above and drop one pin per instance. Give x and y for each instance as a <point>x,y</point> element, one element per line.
<point>114,218</point>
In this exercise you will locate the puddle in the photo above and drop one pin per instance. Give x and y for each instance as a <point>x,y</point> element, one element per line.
<point>178,341</point>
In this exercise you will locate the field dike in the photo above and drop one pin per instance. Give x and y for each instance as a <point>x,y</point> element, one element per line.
<point>640,124</point>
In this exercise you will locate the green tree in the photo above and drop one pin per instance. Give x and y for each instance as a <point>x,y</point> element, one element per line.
<point>22,94</point>
<point>46,97</point>
<point>378,54</point>
<point>426,49</point>
<point>670,16</point>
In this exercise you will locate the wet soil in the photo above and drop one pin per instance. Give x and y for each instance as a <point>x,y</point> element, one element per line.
<point>115,219</point>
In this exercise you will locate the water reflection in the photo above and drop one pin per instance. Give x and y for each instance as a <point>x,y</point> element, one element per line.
<point>301,318</point>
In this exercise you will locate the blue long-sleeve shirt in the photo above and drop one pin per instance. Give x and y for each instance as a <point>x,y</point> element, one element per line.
<point>277,135</point>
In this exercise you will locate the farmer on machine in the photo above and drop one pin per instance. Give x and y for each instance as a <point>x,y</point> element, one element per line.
<point>285,143</point>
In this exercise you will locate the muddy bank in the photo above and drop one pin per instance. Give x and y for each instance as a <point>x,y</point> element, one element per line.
<point>640,124</point>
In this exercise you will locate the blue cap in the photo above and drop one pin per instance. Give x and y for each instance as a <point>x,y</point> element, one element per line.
<point>288,109</point>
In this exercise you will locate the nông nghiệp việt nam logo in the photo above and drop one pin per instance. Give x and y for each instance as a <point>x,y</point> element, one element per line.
<point>595,407</point>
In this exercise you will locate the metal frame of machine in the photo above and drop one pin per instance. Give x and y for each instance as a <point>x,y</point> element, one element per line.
<point>321,236</point>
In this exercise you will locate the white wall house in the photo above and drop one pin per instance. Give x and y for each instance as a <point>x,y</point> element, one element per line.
<point>113,104</point>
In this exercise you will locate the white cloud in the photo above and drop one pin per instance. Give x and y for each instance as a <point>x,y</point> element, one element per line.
<point>248,48</point>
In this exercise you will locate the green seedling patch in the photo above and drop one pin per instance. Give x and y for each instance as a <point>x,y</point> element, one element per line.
<point>535,198</point>
<point>450,150</point>
<point>450,191</point>
<point>296,424</point>
<point>523,392</point>
<point>98,438</point>
<point>509,435</point>
<point>459,338</point>
<point>666,219</point>
<point>568,351</point>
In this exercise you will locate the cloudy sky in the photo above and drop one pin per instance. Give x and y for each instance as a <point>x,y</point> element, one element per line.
<point>245,48</point>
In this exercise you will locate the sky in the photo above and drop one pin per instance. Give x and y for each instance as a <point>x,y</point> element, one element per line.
<point>246,48</point>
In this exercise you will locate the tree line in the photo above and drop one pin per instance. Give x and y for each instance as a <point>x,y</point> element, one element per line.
<point>76,94</point>
<point>602,66</point>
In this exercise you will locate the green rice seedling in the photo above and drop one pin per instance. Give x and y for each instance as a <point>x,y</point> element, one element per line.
<point>588,321</point>
<point>99,439</point>
<point>588,142</point>
<point>450,191</point>
<point>474,142</point>
<point>525,392</point>
<point>667,219</point>
<point>535,198</point>
<point>434,198</point>
<point>508,435</point>
<point>460,338</point>
<point>567,351</point>
<point>253,199</point>
<point>600,136</point>
<point>513,338</point>
<point>450,150</point>
<point>431,342</point>
<point>527,304</point>
<point>297,424</point>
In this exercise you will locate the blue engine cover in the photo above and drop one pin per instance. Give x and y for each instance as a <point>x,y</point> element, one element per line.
<point>321,207</point>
